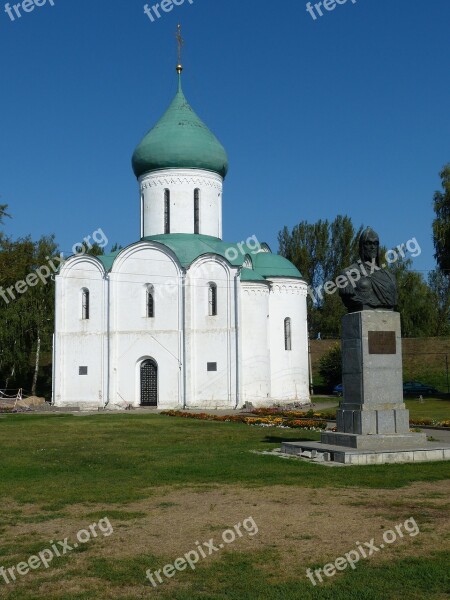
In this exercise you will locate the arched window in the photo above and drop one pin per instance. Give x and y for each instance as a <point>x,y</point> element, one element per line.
<point>166,211</point>
<point>85,304</point>
<point>287,334</point>
<point>150,302</point>
<point>212,299</point>
<point>197,211</point>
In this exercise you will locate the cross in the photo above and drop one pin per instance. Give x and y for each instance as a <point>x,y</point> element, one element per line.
<point>180,42</point>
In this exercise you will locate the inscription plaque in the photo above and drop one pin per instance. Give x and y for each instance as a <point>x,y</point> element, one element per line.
<point>382,342</point>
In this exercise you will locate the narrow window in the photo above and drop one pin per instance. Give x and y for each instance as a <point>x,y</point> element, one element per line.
<point>212,298</point>
<point>166,211</point>
<point>150,302</point>
<point>85,304</point>
<point>197,211</point>
<point>287,334</point>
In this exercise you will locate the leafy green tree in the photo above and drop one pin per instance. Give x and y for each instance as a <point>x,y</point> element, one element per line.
<point>330,366</point>
<point>441,224</point>
<point>95,250</point>
<point>439,283</point>
<point>416,303</point>
<point>321,251</point>
<point>26,315</point>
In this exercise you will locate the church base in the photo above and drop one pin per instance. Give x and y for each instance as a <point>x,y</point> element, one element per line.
<point>327,453</point>
<point>379,442</point>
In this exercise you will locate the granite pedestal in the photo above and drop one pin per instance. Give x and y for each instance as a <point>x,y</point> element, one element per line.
<point>372,421</point>
<point>372,415</point>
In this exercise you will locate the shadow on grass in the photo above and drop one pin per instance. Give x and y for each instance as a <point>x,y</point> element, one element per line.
<point>278,439</point>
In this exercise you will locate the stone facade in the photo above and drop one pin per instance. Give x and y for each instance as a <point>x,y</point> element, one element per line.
<point>203,361</point>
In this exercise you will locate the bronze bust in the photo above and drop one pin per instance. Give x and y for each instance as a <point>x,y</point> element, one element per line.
<point>369,285</point>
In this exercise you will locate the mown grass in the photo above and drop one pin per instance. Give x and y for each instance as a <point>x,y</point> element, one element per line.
<point>431,408</point>
<point>239,576</point>
<point>60,460</point>
<point>50,462</point>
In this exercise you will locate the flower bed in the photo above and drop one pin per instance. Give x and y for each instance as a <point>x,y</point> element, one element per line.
<point>267,421</point>
<point>292,415</point>
<point>428,423</point>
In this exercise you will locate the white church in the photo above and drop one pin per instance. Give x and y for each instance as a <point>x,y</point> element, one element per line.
<point>180,319</point>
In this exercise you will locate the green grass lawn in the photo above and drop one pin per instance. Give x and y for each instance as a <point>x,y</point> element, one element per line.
<point>58,460</point>
<point>53,465</point>
<point>431,408</point>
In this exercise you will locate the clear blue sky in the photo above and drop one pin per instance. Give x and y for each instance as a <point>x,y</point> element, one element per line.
<point>347,114</point>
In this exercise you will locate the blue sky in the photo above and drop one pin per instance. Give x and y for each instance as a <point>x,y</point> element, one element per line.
<point>348,113</point>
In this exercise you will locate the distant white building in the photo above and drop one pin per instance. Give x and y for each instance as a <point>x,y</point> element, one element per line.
<point>180,319</point>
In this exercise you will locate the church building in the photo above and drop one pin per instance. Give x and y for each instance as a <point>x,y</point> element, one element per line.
<point>180,319</point>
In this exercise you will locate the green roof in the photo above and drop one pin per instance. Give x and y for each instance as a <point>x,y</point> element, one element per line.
<point>250,275</point>
<point>107,260</point>
<point>188,247</point>
<point>274,265</point>
<point>180,139</point>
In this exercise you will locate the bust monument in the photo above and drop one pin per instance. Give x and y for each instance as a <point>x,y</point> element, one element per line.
<point>370,286</point>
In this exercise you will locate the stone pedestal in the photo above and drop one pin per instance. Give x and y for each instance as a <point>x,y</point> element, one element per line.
<point>372,415</point>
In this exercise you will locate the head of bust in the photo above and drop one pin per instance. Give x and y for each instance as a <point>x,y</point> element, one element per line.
<point>369,246</point>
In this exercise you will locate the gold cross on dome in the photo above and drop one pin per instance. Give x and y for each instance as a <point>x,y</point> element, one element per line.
<point>180,42</point>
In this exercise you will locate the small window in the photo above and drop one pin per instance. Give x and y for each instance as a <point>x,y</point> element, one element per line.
<point>85,304</point>
<point>212,299</point>
<point>166,211</point>
<point>82,370</point>
<point>287,334</point>
<point>211,366</point>
<point>150,302</point>
<point>197,211</point>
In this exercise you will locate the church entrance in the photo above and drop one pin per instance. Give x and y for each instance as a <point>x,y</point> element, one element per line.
<point>149,383</point>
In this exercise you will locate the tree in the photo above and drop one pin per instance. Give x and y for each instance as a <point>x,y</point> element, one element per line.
<point>441,224</point>
<point>416,303</point>
<point>330,366</point>
<point>27,317</point>
<point>95,250</point>
<point>439,283</point>
<point>321,251</point>
<point>3,212</point>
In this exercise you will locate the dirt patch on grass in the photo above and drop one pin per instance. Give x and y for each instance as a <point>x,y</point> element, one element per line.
<point>301,526</point>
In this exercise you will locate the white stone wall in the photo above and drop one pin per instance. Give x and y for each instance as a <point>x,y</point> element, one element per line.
<point>78,342</point>
<point>182,184</point>
<point>255,344</point>
<point>135,337</point>
<point>245,339</point>
<point>210,339</point>
<point>289,368</point>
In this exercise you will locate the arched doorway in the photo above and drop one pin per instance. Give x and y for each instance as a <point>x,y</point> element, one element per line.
<point>149,383</point>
